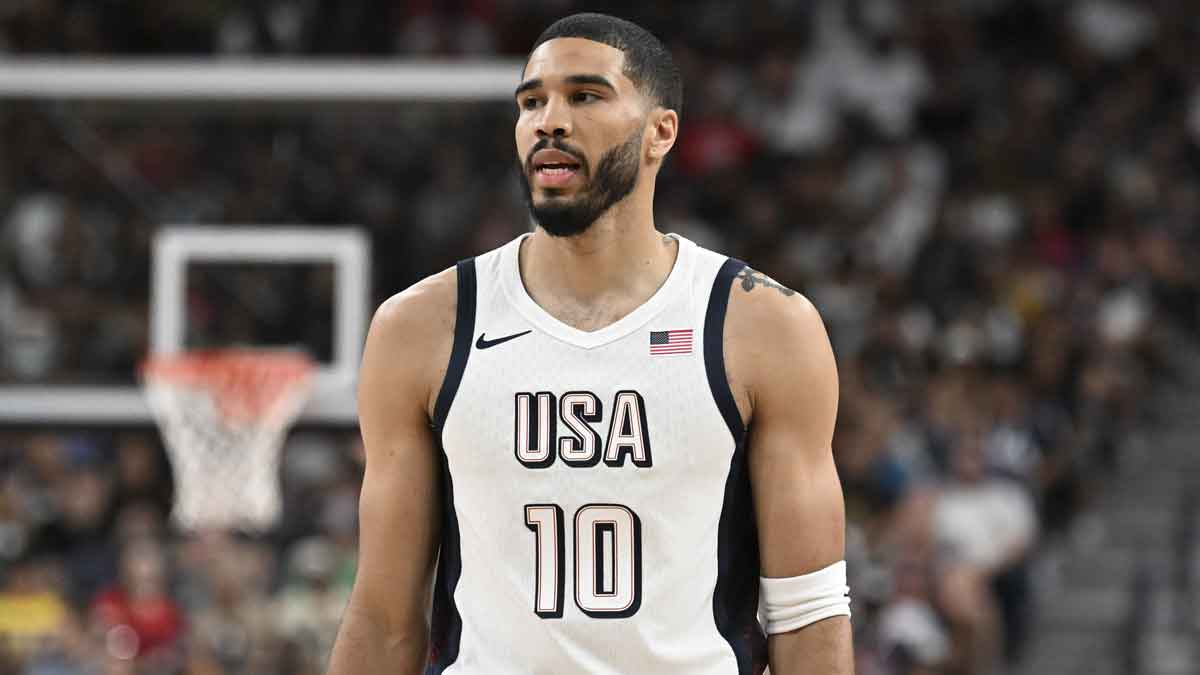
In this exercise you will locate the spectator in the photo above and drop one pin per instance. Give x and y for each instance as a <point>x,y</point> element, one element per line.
<point>139,609</point>
<point>986,528</point>
<point>32,612</point>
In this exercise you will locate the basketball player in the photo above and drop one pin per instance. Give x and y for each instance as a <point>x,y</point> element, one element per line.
<point>607,440</point>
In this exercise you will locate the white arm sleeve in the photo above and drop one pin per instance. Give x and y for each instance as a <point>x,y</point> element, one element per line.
<point>789,603</point>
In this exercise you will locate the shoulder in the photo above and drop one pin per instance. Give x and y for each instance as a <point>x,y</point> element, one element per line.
<point>757,301</point>
<point>775,344</point>
<point>410,340</point>
<point>423,307</point>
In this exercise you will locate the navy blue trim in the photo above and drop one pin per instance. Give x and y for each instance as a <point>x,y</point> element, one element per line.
<point>464,329</point>
<point>714,347</point>
<point>446,625</point>
<point>735,598</point>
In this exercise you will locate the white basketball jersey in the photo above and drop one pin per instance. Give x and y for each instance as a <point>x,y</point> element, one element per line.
<point>597,514</point>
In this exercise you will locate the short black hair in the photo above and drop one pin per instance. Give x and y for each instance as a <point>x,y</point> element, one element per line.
<point>647,62</point>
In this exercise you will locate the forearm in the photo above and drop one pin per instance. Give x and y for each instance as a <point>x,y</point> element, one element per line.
<point>365,646</point>
<point>822,648</point>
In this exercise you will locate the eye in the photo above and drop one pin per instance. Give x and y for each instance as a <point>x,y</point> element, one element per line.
<point>529,102</point>
<point>584,97</point>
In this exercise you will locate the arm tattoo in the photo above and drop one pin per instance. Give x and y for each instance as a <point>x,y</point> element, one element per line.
<point>751,279</point>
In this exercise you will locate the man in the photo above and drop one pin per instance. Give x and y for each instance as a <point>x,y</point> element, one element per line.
<point>562,424</point>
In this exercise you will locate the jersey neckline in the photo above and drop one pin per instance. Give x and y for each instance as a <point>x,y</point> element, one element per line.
<point>518,295</point>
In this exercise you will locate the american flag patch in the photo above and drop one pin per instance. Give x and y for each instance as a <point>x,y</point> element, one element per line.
<point>671,341</point>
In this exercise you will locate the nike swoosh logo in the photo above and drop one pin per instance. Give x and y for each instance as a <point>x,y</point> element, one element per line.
<point>482,343</point>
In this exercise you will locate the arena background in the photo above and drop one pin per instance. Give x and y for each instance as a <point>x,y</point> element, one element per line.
<point>994,204</point>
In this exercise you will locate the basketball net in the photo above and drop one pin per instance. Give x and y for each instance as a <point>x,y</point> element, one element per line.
<point>224,415</point>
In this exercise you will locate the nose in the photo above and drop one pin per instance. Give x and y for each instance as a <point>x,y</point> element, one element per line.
<point>556,119</point>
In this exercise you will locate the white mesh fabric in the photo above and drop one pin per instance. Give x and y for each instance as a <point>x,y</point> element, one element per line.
<point>225,461</point>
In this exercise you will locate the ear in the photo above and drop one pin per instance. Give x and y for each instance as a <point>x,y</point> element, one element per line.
<point>663,129</point>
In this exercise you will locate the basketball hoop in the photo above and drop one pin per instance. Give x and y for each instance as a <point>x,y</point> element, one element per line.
<point>224,415</point>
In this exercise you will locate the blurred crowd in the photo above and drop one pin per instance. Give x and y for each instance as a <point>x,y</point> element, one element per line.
<point>96,581</point>
<point>992,202</point>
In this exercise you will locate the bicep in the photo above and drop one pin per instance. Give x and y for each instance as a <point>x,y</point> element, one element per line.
<point>798,502</point>
<point>787,366</point>
<point>797,493</point>
<point>399,522</point>
<point>399,512</point>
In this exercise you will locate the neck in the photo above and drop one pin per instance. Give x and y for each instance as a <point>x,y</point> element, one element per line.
<point>620,260</point>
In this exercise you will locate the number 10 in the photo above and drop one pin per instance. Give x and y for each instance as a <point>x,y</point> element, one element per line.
<point>607,554</point>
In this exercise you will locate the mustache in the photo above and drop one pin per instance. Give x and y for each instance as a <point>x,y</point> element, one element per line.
<point>560,145</point>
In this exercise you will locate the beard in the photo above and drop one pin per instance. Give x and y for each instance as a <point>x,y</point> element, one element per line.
<point>615,177</point>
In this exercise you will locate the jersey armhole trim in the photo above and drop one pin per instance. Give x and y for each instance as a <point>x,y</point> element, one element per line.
<point>445,628</point>
<point>464,329</point>
<point>714,347</point>
<point>735,595</point>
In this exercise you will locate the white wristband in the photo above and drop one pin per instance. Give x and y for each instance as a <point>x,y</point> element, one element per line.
<point>790,603</point>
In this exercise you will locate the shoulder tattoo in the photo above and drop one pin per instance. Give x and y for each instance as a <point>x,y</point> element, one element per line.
<point>752,279</point>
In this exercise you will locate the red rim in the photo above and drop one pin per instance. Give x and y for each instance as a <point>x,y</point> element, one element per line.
<point>200,365</point>
<point>245,383</point>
